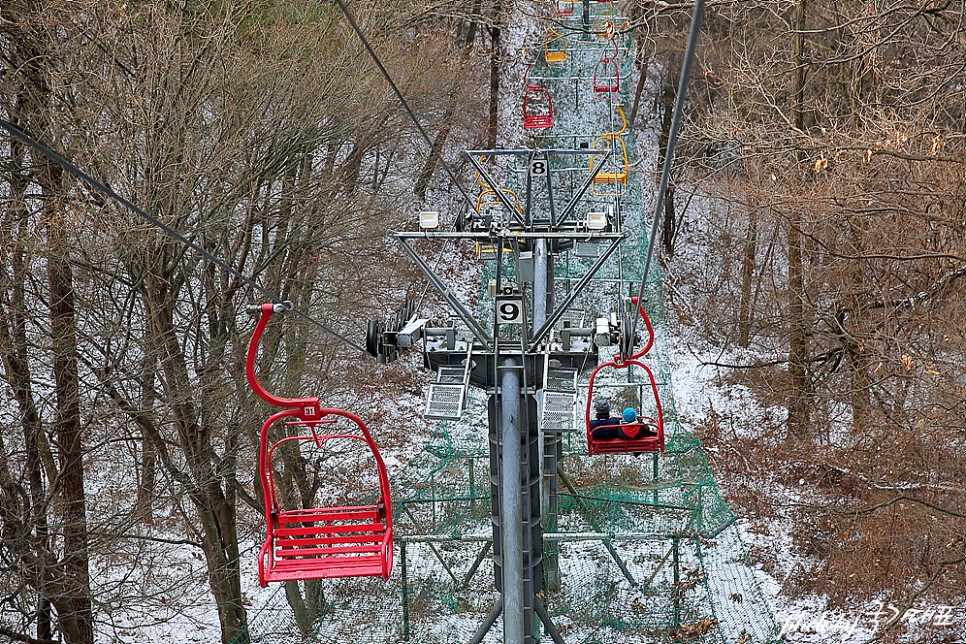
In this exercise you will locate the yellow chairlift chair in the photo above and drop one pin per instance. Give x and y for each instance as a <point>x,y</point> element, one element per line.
<point>555,46</point>
<point>488,197</point>
<point>618,160</point>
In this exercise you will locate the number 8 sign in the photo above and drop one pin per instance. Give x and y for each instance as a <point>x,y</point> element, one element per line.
<point>509,311</point>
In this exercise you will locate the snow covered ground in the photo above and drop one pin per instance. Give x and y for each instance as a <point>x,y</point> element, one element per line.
<point>703,395</point>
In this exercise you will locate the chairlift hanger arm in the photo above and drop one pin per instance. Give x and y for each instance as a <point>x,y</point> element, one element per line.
<point>305,408</point>
<point>636,302</point>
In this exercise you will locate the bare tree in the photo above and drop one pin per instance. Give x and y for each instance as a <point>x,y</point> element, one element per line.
<point>259,136</point>
<point>844,132</point>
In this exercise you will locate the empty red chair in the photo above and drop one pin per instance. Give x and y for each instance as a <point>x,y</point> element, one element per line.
<point>353,540</point>
<point>323,543</point>
<point>537,106</point>
<point>607,76</point>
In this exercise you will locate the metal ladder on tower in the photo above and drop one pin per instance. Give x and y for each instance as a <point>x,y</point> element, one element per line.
<point>558,399</point>
<point>446,396</point>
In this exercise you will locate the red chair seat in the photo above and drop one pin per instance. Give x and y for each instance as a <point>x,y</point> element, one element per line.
<point>625,446</point>
<point>325,568</point>
<point>325,544</point>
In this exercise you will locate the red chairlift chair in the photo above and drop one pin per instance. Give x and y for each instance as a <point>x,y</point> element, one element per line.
<point>652,427</point>
<point>317,543</point>
<point>537,106</point>
<point>607,76</point>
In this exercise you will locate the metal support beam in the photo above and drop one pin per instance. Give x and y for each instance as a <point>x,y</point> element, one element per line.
<point>485,550</point>
<point>527,152</point>
<point>559,310</point>
<point>660,564</point>
<point>512,506</point>
<point>488,622</point>
<point>548,623</point>
<point>405,591</point>
<point>489,237</point>
<point>447,294</point>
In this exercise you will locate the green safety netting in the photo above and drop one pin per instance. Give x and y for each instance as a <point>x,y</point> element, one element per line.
<point>647,549</point>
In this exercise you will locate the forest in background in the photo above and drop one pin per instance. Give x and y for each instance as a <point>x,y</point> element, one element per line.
<point>821,169</point>
<point>827,140</point>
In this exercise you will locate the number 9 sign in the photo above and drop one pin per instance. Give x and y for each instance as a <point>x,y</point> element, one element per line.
<point>509,311</point>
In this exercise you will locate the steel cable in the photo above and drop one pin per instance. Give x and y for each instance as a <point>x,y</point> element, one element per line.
<point>687,64</point>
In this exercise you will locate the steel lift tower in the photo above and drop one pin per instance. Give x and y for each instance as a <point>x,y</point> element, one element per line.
<point>523,353</point>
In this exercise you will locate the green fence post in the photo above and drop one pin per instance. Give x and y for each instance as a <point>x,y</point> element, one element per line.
<point>676,587</point>
<point>405,590</point>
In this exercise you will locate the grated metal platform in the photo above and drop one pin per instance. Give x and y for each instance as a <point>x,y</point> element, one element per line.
<point>445,401</point>
<point>558,411</point>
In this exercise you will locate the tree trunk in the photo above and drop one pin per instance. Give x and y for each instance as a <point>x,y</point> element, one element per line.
<point>73,603</point>
<point>14,350</point>
<point>637,13</point>
<point>798,405</point>
<point>748,264</point>
<point>669,223</point>
<point>493,122</point>
<point>144,504</point>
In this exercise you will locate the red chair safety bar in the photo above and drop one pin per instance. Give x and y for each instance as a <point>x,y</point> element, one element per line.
<point>537,106</point>
<point>652,428</point>
<point>565,8</point>
<point>318,543</point>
